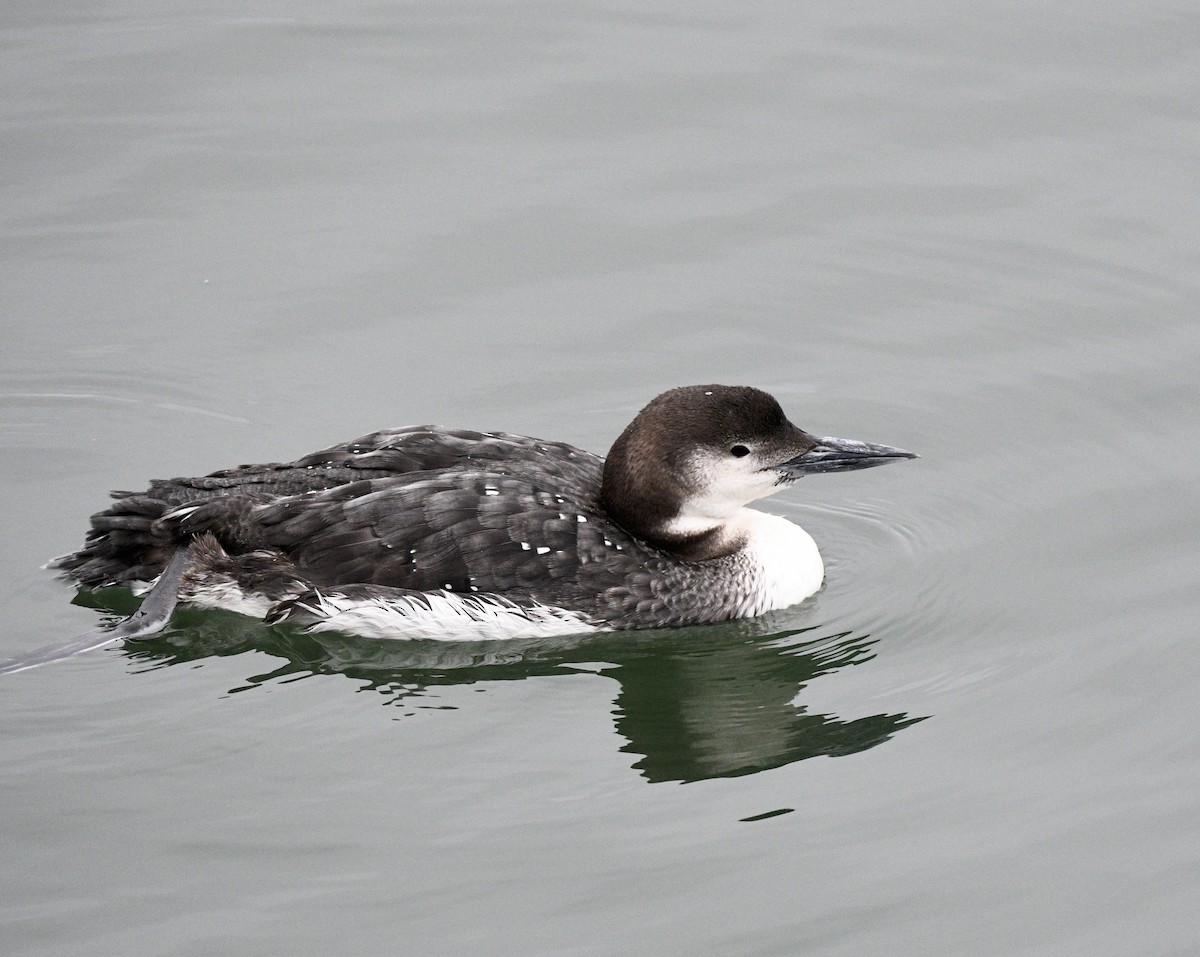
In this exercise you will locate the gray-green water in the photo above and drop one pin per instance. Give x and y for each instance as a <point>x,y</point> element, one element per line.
<point>237,234</point>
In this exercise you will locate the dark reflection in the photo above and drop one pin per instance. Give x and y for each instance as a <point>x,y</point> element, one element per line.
<point>730,707</point>
<point>694,703</point>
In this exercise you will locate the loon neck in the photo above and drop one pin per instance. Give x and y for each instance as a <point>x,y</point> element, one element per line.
<point>645,498</point>
<point>702,546</point>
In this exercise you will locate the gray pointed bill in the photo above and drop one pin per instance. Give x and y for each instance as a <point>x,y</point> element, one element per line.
<point>840,455</point>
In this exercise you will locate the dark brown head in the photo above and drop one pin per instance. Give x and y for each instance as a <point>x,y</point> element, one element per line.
<point>695,455</point>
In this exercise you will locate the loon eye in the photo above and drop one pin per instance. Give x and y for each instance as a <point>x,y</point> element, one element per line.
<point>738,451</point>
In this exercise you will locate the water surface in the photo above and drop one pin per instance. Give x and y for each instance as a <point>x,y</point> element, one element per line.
<point>233,235</point>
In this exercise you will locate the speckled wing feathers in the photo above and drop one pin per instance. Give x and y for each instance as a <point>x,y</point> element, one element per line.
<point>416,509</point>
<point>465,531</point>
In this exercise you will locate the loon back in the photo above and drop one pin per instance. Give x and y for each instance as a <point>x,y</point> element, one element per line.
<point>133,538</point>
<point>394,515</point>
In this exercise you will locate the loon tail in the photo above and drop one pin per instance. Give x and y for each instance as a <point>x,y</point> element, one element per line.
<point>150,618</point>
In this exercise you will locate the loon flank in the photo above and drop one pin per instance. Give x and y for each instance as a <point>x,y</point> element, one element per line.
<point>425,532</point>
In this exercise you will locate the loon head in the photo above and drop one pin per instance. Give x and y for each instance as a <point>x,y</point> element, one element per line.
<point>677,476</point>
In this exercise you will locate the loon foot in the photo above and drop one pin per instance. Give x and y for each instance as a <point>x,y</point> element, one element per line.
<point>150,618</point>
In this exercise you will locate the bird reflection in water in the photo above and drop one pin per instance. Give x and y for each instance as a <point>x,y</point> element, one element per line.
<point>695,703</point>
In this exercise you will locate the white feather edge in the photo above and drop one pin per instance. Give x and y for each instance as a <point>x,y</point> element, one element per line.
<point>435,615</point>
<point>442,616</point>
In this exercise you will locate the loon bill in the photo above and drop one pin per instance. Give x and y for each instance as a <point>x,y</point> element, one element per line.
<point>426,532</point>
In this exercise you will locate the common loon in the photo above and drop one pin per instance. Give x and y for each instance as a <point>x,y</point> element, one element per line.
<point>425,532</point>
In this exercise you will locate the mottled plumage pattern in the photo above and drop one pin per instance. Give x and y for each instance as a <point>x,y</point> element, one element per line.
<point>414,510</point>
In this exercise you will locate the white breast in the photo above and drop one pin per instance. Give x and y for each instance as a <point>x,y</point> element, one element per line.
<point>788,565</point>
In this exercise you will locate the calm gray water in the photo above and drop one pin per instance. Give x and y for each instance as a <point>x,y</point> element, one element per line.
<point>237,233</point>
